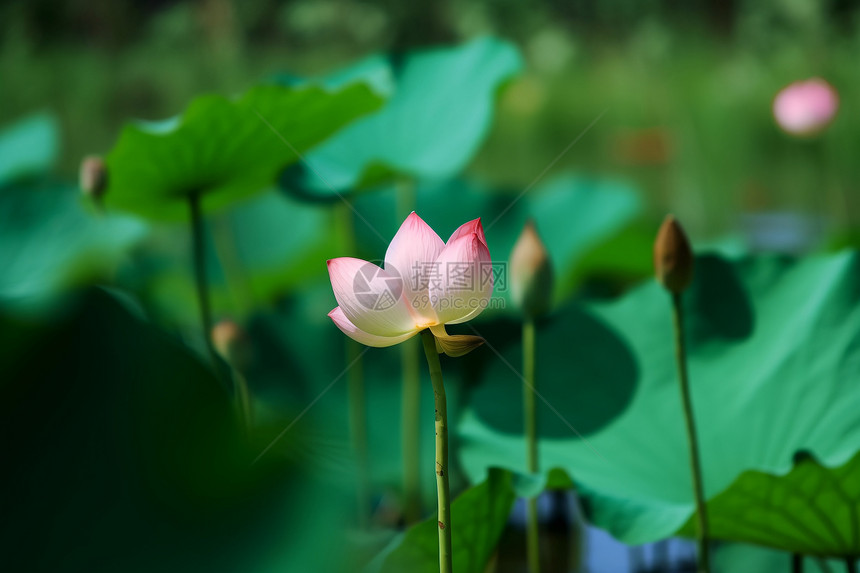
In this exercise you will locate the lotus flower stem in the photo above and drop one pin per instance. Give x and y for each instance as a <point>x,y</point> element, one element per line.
<point>356,397</point>
<point>695,464</point>
<point>530,422</point>
<point>851,565</point>
<point>199,255</point>
<point>442,488</point>
<point>243,400</point>
<point>796,563</point>
<point>410,430</point>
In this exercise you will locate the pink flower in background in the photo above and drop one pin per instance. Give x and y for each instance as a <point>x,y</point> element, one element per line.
<point>424,283</point>
<point>805,108</point>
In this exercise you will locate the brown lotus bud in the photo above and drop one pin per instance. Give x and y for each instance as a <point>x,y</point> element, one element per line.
<point>232,343</point>
<point>531,273</point>
<point>673,256</point>
<point>93,177</point>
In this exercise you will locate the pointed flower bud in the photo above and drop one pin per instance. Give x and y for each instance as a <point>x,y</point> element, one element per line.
<point>232,343</point>
<point>93,177</point>
<point>805,108</point>
<point>531,273</point>
<point>673,256</point>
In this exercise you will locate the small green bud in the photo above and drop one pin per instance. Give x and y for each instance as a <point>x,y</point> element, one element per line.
<point>93,177</point>
<point>673,257</point>
<point>531,273</point>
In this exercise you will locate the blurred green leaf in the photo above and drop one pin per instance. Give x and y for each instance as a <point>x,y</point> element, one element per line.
<point>49,241</point>
<point>122,454</point>
<point>28,146</point>
<point>478,517</point>
<point>773,348</point>
<point>741,558</point>
<point>439,112</point>
<point>225,149</point>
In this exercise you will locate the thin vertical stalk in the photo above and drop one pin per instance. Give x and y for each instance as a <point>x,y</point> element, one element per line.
<point>530,423</point>
<point>695,464</point>
<point>851,565</point>
<point>796,563</point>
<point>410,361</point>
<point>243,400</point>
<point>410,430</point>
<point>356,397</point>
<point>442,488</point>
<point>661,555</point>
<point>200,278</point>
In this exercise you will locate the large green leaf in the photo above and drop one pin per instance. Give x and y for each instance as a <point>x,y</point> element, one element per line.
<point>48,240</point>
<point>774,347</point>
<point>440,111</point>
<point>812,509</point>
<point>225,149</point>
<point>478,517</point>
<point>28,146</point>
<point>742,558</point>
<point>126,443</point>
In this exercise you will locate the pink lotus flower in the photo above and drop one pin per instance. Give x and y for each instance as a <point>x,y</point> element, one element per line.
<point>424,283</point>
<point>805,108</point>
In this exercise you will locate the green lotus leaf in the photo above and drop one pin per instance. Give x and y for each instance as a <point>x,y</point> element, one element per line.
<point>129,443</point>
<point>439,112</point>
<point>28,146</point>
<point>812,509</point>
<point>225,149</point>
<point>478,517</point>
<point>742,558</point>
<point>49,241</point>
<point>774,346</point>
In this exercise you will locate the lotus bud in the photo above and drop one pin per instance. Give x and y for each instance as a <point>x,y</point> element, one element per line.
<point>805,108</point>
<point>232,343</point>
<point>93,177</point>
<point>673,257</point>
<point>531,273</point>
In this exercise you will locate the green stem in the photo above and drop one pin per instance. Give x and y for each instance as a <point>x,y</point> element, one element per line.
<point>695,464</point>
<point>199,255</point>
<point>851,565</point>
<point>356,393</point>
<point>442,488</point>
<point>243,400</point>
<point>796,563</point>
<point>530,422</point>
<point>410,431</point>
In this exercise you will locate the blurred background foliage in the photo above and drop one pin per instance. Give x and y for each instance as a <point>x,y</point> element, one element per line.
<point>686,86</point>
